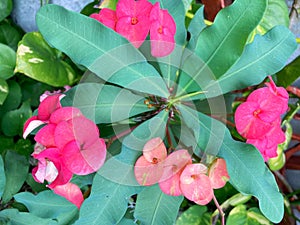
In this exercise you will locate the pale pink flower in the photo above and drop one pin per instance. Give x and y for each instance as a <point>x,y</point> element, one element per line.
<point>149,167</point>
<point>218,174</point>
<point>195,184</point>
<point>173,166</point>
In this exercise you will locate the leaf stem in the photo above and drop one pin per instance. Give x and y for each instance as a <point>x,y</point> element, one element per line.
<point>222,214</point>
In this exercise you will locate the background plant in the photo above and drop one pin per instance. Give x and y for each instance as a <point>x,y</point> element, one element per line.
<point>232,54</point>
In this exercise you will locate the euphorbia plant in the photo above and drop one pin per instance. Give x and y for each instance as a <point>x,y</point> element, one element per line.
<point>166,92</point>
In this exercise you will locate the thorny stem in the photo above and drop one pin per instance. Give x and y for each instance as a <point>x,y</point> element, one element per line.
<point>294,10</point>
<point>221,213</point>
<point>121,134</point>
<point>286,184</point>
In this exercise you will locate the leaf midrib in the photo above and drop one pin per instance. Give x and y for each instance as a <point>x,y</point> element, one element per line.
<point>229,75</point>
<point>71,32</point>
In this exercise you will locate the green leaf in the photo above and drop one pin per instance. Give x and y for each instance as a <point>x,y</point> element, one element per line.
<point>3,90</point>
<point>289,73</point>
<point>192,216</point>
<point>239,215</point>
<point>107,203</point>
<point>126,221</point>
<point>13,121</point>
<point>5,8</point>
<point>221,44</point>
<point>2,177</point>
<point>120,167</point>
<point>264,56</point>
<point>16,169</point>
<point>9,36</point>
<point>105,103</point>
<point>196,25</point>
<point>36,59</point>
<point>100,49</point>
<point>7,61</point>
<point>46,204</point>
<point>247,170</point>
<point>277,13</point>
<point>13,98</point>
<point>14,217</point>
<point>153,207</point>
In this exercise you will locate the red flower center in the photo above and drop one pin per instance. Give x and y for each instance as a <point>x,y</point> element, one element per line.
<point>134,21</point>
<point>160,30</point>
<point>256,112</point>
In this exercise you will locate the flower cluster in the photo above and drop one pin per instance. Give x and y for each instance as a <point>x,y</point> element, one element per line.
<point>258,119</point>
<point>67,144</point>
<point>133,19</point>
<point>177,175</point>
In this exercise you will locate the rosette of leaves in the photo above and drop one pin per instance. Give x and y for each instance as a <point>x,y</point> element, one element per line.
<point>170,97</point>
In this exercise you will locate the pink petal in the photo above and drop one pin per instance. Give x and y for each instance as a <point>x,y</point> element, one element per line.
<point>162,31</point>
<point>133,8</point>
<point>84,130</point>
<point>269,104</point>
<point>175,163</point>
<point>31,124</point>
<point>147,173</point>
<point>107,17</point>
<point>54,155</point>
<point>63,134</point>
<point>45,136</point>
<point>191,170</point>
<point>71,192</point>
<point>247,121</point>
<point>64,114</point>
<point>81,160</point>
<point>45,170</point>
<point>135,32</point>
<point>173,166</point>
<point>155,150</point>
<point>195,185</point>
<point>218,173</point>
<point>49,105</point>
<point>281,94</point>
<point>171,186</point>
<point>133,20</point>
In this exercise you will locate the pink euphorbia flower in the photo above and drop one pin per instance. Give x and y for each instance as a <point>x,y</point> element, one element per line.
<point>258,119</point>
<point>68,144</point>
<point>107,17</point>
<point>162,31</point>
<point>148,169</point>
<point>217,173</point>
<point>173,166</point>
<point>195,184</point>
<point>248,120</point>
<point>133,20</point>
<point>71,192</point>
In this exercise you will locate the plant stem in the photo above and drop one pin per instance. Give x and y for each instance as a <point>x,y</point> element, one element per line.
<point>222,214</point>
